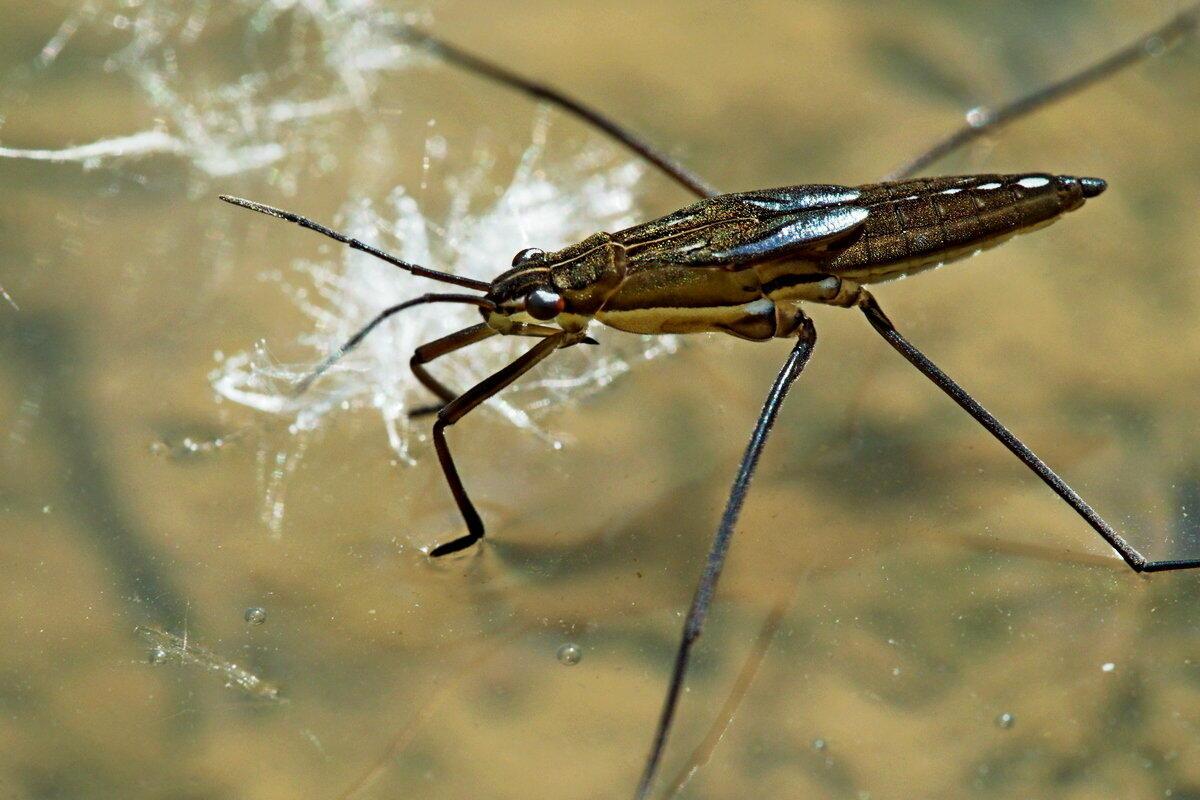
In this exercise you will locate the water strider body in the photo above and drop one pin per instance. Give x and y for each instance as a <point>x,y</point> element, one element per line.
<point>744,264</point>
<point>741,264</point>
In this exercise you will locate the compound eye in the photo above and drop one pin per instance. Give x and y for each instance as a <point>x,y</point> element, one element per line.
<point>543,304</point>
<point>527,255</point>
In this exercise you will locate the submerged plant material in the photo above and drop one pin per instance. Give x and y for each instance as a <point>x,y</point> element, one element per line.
<point>336,53</point>
<point>167,647</point>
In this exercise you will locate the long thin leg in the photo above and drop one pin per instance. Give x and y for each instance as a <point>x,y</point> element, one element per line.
<point>741,686</point>
<point>488,69</point>
<point>983,120</point>
<point>438,348</point>
<point>458,408</point>
<point>693,626</point>
<point>456,341</point>
<point>1132,557</point>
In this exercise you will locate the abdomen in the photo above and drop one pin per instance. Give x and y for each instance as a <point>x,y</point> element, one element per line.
<point>919,224</point>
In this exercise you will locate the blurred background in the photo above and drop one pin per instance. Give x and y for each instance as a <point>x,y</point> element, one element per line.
<point>211,589</point>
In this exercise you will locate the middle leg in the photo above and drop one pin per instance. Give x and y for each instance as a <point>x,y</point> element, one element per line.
<point>693,626</point>
<point>464,404</point>
<point>457,341</point>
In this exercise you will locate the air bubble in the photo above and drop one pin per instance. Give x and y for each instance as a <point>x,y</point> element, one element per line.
<point>1005,721</point>
<point>255,615</point>
<point>979,116</point>
<point>569,654</point>
<point>819,745</point>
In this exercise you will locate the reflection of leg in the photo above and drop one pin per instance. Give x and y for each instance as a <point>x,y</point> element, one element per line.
<point>1132,557</point>
<point>984,120</point>
<point>694,625</point>
<point>458,408</point>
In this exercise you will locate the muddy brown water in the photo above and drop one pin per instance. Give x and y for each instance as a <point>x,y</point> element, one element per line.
<point>899,583</point>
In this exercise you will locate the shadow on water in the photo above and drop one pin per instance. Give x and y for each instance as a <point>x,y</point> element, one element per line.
<point>40,350</point>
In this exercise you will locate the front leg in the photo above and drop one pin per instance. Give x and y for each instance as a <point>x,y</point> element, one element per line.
<point>436,349</point>
<point>693,626</point>
<point>457,341</point>
<point>456,409</point>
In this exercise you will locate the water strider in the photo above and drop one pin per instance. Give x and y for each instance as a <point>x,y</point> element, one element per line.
<point>744,264</point>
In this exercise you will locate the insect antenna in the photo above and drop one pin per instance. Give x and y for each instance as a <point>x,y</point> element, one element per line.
<point>356,244</point>
<point>356,339</point>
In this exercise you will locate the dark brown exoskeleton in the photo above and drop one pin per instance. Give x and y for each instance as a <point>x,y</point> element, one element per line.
<point>744,264</point>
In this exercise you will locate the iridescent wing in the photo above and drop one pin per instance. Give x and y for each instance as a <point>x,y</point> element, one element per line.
<point>733,231</point>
